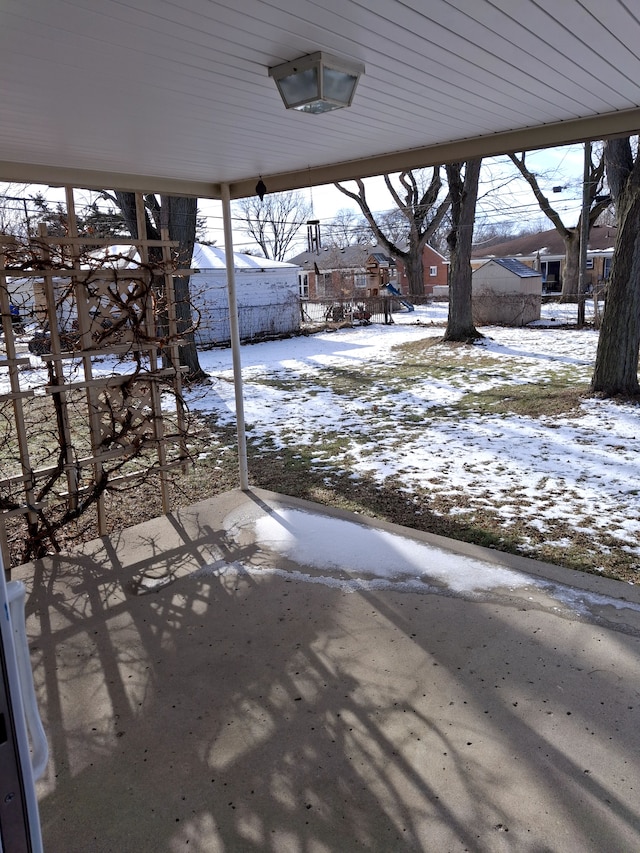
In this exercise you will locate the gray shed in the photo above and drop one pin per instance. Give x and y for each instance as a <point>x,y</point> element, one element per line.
<point>506,292</point>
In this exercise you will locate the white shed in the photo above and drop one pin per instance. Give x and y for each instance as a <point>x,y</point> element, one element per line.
<point>506,292</point>
<point>266,291</point>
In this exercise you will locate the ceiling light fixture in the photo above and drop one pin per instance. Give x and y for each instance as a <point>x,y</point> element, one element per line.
<point>317,83</point>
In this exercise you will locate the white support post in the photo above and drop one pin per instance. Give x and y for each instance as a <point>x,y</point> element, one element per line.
<point>584,234</point>
<point>234,328</point>
<point>23,748</point>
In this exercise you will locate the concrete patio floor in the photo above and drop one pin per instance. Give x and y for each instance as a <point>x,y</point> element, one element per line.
<point>223,710</point>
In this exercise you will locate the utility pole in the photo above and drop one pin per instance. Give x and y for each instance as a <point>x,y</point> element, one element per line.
<point>26,211</point>
<point>584,234</point>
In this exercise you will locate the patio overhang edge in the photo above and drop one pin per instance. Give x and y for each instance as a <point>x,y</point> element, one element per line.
<point>97,179</point>
<point>606,126</point>
<point>621,123</point>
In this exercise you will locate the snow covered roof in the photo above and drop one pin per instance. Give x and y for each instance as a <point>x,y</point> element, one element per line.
<point>204,257</point>
<point>213,258</point>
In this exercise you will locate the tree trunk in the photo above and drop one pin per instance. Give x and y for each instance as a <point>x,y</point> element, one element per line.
<point>571,275</point>
<point>616,367</point>
<point>181,222</point>
<point>464,194</point>
<point>414,268</point>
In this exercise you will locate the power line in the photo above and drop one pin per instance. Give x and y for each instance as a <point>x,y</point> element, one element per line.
<point>490,210</point>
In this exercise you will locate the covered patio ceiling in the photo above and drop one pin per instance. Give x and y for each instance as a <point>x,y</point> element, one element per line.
<point>175,97</point>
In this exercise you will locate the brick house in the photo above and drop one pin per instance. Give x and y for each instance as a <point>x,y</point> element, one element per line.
<point>436,271</point>
<point>360,271</point>
<point>333,273</point>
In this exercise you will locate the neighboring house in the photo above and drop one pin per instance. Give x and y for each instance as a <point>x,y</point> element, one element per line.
<point>436,271</point>
<point>360,271</point>
<point>506,292</point>
<point>545,252</point>
<point>266,293</point>
<point>332,273</point>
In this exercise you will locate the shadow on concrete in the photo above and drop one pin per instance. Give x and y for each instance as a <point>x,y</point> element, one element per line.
<point>232,711</point>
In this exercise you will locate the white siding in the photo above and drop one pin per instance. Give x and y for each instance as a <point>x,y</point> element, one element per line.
<point>268,303</point>
<point>502,297</point>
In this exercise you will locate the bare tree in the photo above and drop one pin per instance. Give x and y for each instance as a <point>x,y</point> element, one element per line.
<point>487,233</point>
<point>395,225</point>
<point>423,209</point>
<point>274,222</point>
<point>438,239</point>
<point>347,228</point>
<point>597,203</point>
<point>15,214</point>
<point>616,367</point>
<point>463,190</point>
<point>608,216</point>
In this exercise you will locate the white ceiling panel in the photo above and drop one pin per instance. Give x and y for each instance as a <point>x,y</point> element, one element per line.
<point>176,97</point>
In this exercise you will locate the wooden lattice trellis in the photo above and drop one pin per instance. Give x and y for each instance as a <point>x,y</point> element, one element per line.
<point>110,351</point>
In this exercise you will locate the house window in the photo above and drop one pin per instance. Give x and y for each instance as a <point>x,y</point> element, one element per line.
<point>303,284</point>
<point>433,271</point>
<point>323,283</point>
<point>361,280</point>
<point>551,282</point>
<point>607,267</point>
<point>589,263</point>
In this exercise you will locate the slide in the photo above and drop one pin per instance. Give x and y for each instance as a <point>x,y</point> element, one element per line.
<point>395,292</point>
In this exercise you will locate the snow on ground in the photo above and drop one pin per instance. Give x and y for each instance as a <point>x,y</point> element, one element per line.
<point>582,469</point>
<point>353,557</point>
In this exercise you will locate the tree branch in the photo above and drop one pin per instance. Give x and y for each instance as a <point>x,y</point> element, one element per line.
<point>542,200</point>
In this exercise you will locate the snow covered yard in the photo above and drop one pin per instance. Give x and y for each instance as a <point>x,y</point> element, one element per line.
<point>453,429</point>
<point>496,444</point>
